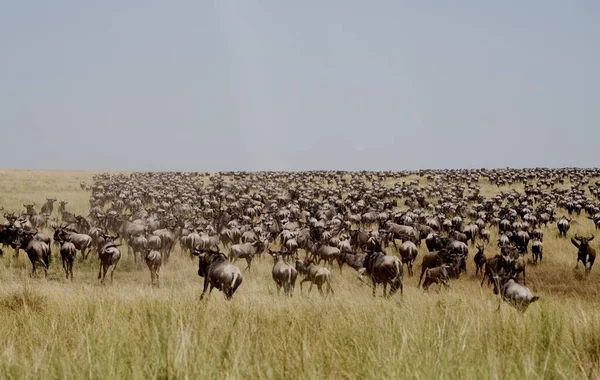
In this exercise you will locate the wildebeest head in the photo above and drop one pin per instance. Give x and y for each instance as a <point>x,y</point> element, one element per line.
<point>30,209</point>
<point>275,254</point>
<point>499,282</point>
<point>583,240</point>
<point>205,258</point>
<point>583,244</point>
<point>110,239</point>
<point>22,239</point>
<point>10,217</point>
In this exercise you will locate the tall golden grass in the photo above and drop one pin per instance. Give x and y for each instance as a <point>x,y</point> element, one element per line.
<point>52,328</point>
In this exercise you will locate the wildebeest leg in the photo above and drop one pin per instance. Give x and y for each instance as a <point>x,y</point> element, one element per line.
<point>286,288</point>
<point>484,276</point>
<point>100,272</point>
<point>410,270</point>
<point>384,290</point>
<point>225,289</point>
<point>374,287</point>
<point>278,287</point>
<point>361,271</point>
<point>329,288</point>
<point>249,263</point>
<point>71,268</point>
<point>205,286</point>
<point>304,280</point>
<point>320,287</point>
<point>104,270</point>
<point>310,287</point>
<point>422,273</point>
<point>84,253</point>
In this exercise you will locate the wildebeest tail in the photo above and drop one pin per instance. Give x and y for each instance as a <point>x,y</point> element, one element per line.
<point>235,282</point>
<point>398,267</point>
<point>288,284</point>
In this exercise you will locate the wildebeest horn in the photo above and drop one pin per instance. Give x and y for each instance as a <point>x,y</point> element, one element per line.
<point>591,238</point>
<point>576,237</point>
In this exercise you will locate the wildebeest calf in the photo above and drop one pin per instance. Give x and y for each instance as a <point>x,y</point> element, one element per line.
<point>438,275</point>
<point>315,274</point>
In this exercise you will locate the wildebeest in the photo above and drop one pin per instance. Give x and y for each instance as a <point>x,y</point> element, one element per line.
<point>154,242</point>
<point>67,253</point>
<point>153,259</point>
<point>515,294</point>
<point>408,252</point>
<point>167,239</point>
<point>326,253</point>
<point>62,207</point>
<point>437,275</point>
<point>521,239</point>
<point>246,251</point>
<point>353,260</point>
<point>497,265</point>
<point>82,242</point>
<point>37,251</point>
<point>109,256</point>
<point>479,259</point>
<point>315,274</point>
<point>384,269</point>
<point>30,209</point>
<point>432,260</point>
<point>585,254</point>
<point>138,244</point>
<point>537,248</point>
<point>283,274</point>
<point>218,272</point>
<point>48,206</point>
<point>563,226</point>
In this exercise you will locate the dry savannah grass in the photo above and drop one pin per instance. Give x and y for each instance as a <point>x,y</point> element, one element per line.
<point>52,328</point>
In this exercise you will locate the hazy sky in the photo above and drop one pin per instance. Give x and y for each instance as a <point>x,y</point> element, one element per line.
<point>295,85</point>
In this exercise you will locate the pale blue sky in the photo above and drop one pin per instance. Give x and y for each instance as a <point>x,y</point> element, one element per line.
<point>295,85</point>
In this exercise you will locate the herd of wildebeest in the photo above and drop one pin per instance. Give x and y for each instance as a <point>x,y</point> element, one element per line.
<point>373,222</point>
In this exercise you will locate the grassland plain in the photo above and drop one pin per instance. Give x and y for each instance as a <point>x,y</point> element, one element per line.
<point>57,329</point>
